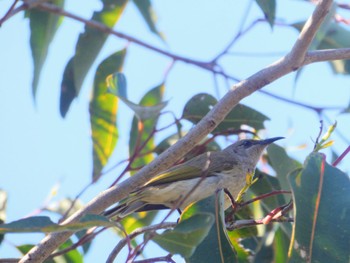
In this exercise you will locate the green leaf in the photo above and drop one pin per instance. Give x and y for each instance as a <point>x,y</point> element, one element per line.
<point>103,113</point>
<point>72,256</point>
<point>92,40</point>
<point>186,236</point>
<point>217,241</point>
<point>269,9</point>
<point>280,246</point>
<point>68,91</point>
<point>61,207</point>
<point>282,164</point>
<point>117,85</point>
<point>24,249</point>
<point>147,12</point>
<point>333,37</point>
<point>137,220</point>
<point>141,133</point>
<point>44,224</point>
<point>321,206</point>
<point>43,26</point>
<point>199,105</point>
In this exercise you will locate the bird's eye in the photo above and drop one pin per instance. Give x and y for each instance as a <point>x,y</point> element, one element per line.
<point>247,143</point>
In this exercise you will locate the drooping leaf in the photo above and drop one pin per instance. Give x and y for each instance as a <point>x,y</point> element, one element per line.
<point>321,196</point>
<point>87,49</point>
<point>44,224</point>
<point>43,26</point>
<point>68,91</point>
<point>147,12</point>
<point>103,113</point>
<point>217,242</point>
<point>269,9</point>
<point>92,40</point>
<point>117,85</point>
<point>334,37</point>
<point>186,236</point>
<point>199,105</point>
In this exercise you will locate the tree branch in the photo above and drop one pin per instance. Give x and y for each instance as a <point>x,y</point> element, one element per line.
<point>239,91</point>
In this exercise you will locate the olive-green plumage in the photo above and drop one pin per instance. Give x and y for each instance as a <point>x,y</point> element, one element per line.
<point>226,169</point>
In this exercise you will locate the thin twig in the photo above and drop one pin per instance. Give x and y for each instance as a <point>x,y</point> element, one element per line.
<point>341,157</point>
<point>254,222</point>
<point>319,134</point>
<point>12,7</point>
<point>260,197</point>
<point>139,231</point>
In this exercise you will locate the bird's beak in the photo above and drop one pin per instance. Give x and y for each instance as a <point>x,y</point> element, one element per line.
<point>269,141</point>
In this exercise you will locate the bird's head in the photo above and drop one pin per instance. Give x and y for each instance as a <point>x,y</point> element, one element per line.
<point>249,151</point>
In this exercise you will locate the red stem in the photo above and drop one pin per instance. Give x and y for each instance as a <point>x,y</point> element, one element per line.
<point>341,157</point>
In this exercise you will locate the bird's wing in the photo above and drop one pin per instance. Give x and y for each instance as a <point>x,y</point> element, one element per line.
<point>193,168</point>
<point>173,175</point>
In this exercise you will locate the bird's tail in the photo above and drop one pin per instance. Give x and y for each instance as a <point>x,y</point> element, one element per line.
<point>123,210</point>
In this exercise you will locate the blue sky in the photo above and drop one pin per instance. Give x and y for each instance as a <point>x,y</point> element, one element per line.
<point>39,148</point>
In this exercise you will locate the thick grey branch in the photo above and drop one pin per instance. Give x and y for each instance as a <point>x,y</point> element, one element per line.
<point>326,55</point>
<point>239,91</point>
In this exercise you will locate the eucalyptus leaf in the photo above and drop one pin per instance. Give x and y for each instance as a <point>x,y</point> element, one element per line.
<point>43,26</point>
<point>334,36</point>
<point>44,224</point>
<point>103,113</point>
<point>91,41</point>
<point>269,9</point>
<point>217,240</point>
<point>148,14</point>
<point>321,195</point>
<point>186,236</point>
<point>199,105</point>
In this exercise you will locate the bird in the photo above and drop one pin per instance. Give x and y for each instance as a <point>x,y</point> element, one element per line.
<point>211,171</point>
